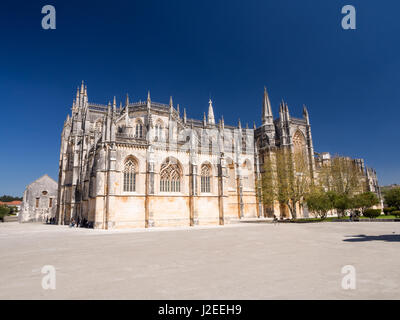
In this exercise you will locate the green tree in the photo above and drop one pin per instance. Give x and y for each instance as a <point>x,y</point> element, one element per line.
<point>392,198</point>
<point>4,211</point>
<point>286,179</point>
<point>343,176</point>
<point>268,187</point>
<point>342,203</point>
<point>319,203</point>
<point>6,198</point>
<point>365,200</point>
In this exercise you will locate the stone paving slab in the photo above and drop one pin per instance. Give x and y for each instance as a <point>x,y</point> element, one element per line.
<point>246,261</point>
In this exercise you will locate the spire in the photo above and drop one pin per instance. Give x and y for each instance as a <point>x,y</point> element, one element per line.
<point>148,100</point>
<point>82,87</point>
<point>204,119</point>
<point>85,98</point>
<point>266,111</point>
<point>239,124</point>
<point>305,114</point>
<point>77,100</point>
<point>109,109</point>
<point>177,111</point>
<point>127,100</point>
<point>184,115</point>
<point>305,111</point>
<point>171,105</point>
<point>254,125</point>
<point>222,122</point>
<point>114,104</point>
<point>120,106</point>
<point>281,114</point>
<point>127,116</point>
<point>287,112</point>
<point>211,119</point>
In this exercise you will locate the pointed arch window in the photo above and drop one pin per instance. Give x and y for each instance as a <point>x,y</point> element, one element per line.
<point>298,142</point>
<point>205,185</point>
<point>139,130</point>
<point>170,177</point>
<point>130,176</point>
<point>158,131</point>
<point>98,126</point>
<point>244,145</point>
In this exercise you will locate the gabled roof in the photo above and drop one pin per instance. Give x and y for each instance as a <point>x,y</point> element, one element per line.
<point>44,177</point>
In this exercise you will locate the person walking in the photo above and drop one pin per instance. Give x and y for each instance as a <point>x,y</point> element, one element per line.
<point>275,221</point>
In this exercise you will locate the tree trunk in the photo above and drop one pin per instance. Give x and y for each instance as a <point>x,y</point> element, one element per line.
<point>292,209</point>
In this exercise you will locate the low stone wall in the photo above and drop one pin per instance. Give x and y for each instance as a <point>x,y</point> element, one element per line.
<point>10,219</point>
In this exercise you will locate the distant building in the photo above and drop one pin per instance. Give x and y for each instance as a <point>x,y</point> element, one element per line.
<point>40,200</point>
<point>15,203</point>
<point>370,176</point>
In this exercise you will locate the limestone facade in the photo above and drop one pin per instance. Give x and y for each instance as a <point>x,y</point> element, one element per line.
<point>144,164</point>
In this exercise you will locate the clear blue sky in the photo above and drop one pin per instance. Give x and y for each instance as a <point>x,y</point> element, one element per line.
<point>349,80</point>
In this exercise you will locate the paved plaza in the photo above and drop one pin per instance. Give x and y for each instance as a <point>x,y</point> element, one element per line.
<point>245,261</point>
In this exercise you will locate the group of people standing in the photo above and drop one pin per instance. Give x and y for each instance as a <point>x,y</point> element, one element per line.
<point>80,223</point>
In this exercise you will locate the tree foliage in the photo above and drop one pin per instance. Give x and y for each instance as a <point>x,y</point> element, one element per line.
<point>392,198</point>
<point>372,213</point>
<point>319,203</point>
<point>342,203</point>
<point>6,198</point>
<point>286,179</point>
<point>365,200</point>
<point>4,211</point>
<point>343,176</point>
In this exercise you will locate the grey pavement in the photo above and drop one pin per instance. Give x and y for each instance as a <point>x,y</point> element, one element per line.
<point>245,261</point>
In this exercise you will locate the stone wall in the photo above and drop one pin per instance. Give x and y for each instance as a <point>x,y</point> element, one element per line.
<point>39,201</point>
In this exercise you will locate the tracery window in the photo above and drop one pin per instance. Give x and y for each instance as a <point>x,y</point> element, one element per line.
<point>130,176</point>
<point>298,141</point>
<point>205,178</point>
<point>170,177</point>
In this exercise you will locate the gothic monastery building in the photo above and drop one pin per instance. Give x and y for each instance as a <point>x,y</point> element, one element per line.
<point>144,164</point>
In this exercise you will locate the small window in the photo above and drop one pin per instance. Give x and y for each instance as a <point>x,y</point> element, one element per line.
<point>44,193</point>
<point>50,202</point>
<point>139,130</point>
<point>158,132</point>
<point>37,202</point>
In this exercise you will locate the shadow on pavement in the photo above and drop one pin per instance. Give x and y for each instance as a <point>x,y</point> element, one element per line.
<point>383,237</point>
